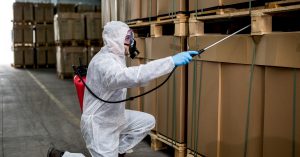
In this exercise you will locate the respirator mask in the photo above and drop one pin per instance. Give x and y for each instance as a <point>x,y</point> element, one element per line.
<point>129,41</point>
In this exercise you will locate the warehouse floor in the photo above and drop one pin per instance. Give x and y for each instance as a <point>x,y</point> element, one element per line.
<point>38,109</point>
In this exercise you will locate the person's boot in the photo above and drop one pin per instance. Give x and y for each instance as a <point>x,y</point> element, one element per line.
<point>122,155</point>
<point>53,152</point>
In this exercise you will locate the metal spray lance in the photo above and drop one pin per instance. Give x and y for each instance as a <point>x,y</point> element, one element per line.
<point>215,43</point>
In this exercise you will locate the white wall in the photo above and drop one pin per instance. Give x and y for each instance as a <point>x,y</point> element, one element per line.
<point>6,54</point>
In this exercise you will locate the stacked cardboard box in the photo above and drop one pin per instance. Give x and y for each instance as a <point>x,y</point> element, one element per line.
<point>219,86</point>
<point>85,8</point>
<point>43,12</point>
<point>93,26</point>
<point>68,26</point>
<point>68,56</point>
<point>44,34</point>
<point>170,102</point>
<point>62,8</point>
<point>23,34</point>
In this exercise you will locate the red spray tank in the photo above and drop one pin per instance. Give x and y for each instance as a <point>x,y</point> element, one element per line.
<point>80,71</point>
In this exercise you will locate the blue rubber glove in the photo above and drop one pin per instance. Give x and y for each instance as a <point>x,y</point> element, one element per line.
<point>183,58</point>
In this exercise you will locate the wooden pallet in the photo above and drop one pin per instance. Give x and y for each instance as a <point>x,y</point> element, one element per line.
<point>158,27</point>
<point>279,4</point>
<point>23,66</point>
<point>22,23</point>
<point>191,153</point>
<point>159,142</point>
<point>261,19</point>
<point>70,43</point>
<point>41,45</point>
<point>23,44</point>
<point>43,23</point>
<point>96,42</point>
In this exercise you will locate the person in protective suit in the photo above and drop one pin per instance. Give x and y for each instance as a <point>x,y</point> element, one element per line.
<point>110,130</point>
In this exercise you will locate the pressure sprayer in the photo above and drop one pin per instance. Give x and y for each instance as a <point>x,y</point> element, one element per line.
<point>80,76</point>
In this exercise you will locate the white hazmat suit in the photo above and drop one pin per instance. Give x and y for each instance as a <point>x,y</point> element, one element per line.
<point>109,129</point>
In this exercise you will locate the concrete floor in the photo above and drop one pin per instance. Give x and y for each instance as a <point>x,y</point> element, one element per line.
<point>38,109</point>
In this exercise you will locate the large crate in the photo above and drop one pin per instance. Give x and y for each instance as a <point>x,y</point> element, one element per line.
<point>23,12</point>
<point>220,98</point>
<point>91,52</point>
<point>29,56</point>
<point>63,8</point>
<point>171,6</point>
<point>17,34</point>
<point>40,34</point>
<point>51,56</point>
<point>282,108</point>
<point>18,11</point>
<point>18,56</point>
<point>27,34</point>
<point>28,12</point>
<point>148,8</point>
<point>43,12</point>
<point>69,26</point>
<point>82,8</point>
<point>93,26</point>
<point>133,9</point>
<point>68,56</point>
<point>23,35</point>
<point>50,34</point>
<point>170,102</point>
<point>41,53</point>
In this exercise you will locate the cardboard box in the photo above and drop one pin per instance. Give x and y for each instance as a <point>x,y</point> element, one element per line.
<point>280,89</point>
<point>148,8</point>
<point>82,8</point>
<point>49,12</point>
<point>212,3</point>
<point>98,8</point>
<point>51,56</point>
<point>27,34</point>
<point>43,12</point>
<point>133,9</point>
<point>122,12</point>
<point>28,56</point>
<point>219,93</point>
<point>93,26</point>
<point>279,49</point>
<point>40,34</point>
<point>92,51</point>
<point>17,34</point>
<point>18,56</point>
<point>149,102</point>
<point>68,56</point>
<point>203,92</point>
<point>50,33</point>
<point>164,7</point>
<point>60,8</point>
<point>237,49</point>
<point>69,26</point>
<point>28,12</point>
<point>41,55</point>
<point>18,11</point>
<point>167,95</point>
<point>234,101</point>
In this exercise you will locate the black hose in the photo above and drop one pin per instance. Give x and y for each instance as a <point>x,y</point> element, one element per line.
<point>128,99</point>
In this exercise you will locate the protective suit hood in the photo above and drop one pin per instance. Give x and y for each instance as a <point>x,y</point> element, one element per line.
<point>114,34</point>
